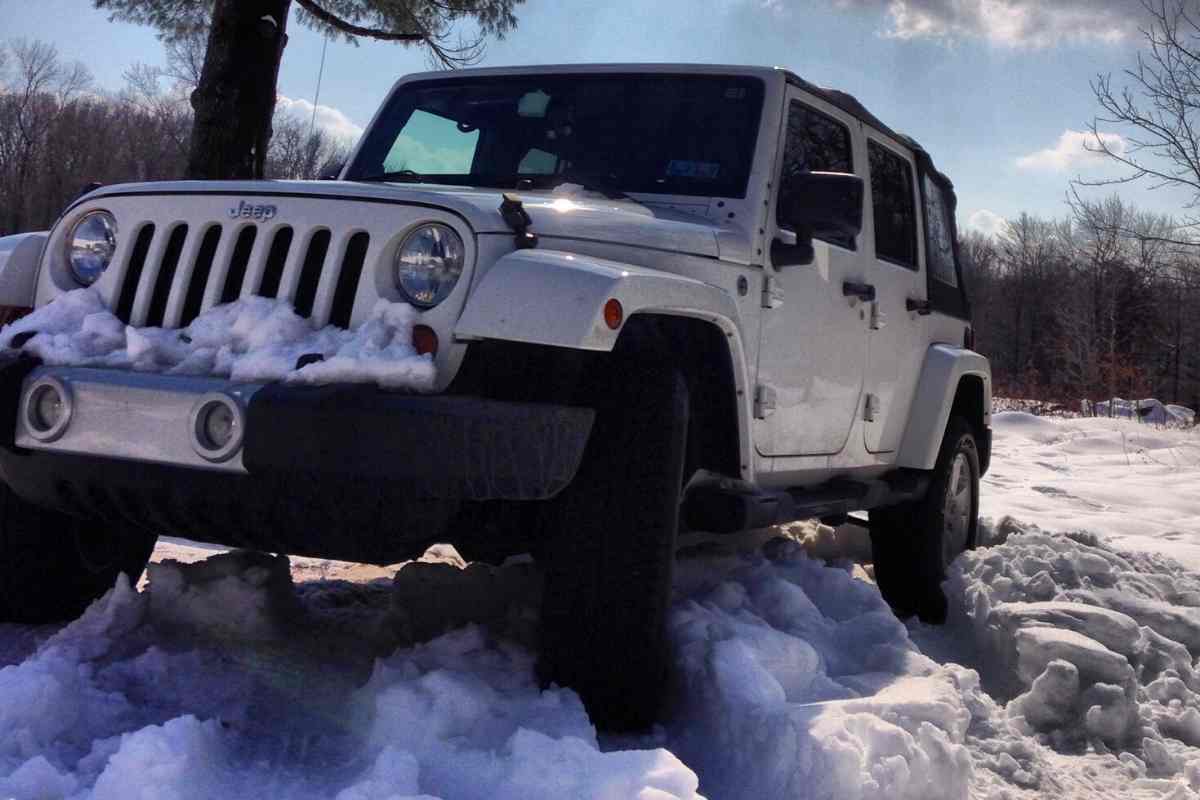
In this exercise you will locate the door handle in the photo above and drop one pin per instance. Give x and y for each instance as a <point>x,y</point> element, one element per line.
<point>863,291</point>
<point>922,307</point>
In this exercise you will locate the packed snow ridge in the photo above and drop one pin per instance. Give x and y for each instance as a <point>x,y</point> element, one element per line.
<point>250,340</point>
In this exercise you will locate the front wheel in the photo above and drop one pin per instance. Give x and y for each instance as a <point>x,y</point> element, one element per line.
<point>609,558</point>
<point>52,566</point>
<point>914,543</point>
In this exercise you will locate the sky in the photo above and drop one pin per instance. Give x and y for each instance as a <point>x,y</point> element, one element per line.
<point>997,90</point>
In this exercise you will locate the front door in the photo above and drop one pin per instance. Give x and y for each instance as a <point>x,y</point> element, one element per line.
<point>813,348</point>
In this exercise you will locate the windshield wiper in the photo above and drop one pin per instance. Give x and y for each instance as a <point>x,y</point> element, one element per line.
<point>399,176</point>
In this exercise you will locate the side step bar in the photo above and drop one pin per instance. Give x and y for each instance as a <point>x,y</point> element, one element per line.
<point>724,505</point>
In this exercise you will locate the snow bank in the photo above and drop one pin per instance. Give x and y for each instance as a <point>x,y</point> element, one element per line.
<point>252,339</point>
<point>1149,411</point>
<point>795,680</point>
<point>1093,648</point>
<point>1136,484</point>
<point>221,680</point>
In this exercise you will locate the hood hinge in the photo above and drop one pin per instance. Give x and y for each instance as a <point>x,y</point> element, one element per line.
<point>512,210</point>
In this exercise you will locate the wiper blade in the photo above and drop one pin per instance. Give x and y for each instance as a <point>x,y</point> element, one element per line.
<point>399,176</point>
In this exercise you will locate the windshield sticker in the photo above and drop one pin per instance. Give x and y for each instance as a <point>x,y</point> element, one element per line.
<point>701,170</point>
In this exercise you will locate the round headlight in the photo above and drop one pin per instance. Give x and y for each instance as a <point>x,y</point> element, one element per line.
<point>90,246</point>
<point>428,264</point>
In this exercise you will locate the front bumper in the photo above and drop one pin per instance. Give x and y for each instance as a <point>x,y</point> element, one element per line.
<point>368,458</point>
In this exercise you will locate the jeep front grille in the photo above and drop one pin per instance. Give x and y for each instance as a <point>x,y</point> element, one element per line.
<point>175,271</point>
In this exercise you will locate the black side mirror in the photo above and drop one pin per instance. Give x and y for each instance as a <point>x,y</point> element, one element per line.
<point>822,205</point>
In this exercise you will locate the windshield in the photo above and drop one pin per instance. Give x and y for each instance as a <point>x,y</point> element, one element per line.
<point>664,134</point>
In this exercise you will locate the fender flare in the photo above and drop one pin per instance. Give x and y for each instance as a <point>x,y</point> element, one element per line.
<point>556,298</point>
<point>20,256</point>
<point>944,368</point>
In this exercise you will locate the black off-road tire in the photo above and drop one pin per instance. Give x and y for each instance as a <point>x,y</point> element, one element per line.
<point>52,566</point>
<point>609,555</point>
<point>910,543</point>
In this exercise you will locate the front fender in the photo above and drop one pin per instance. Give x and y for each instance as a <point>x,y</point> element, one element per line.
<point>945,367</point>
<point>551,297</point>
<point>19,258</point>
<point>554,298</point>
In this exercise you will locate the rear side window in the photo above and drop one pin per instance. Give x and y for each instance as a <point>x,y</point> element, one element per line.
<point>816,142</point>
<point>895,210</point>
<point>939,236</point>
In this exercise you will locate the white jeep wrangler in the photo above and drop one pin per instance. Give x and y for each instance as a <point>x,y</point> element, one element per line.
<point>656,297</point>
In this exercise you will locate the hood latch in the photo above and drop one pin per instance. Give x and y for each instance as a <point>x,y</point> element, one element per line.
<point>512,209</point>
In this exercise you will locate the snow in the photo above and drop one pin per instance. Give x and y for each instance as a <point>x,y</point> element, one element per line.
<point>1134,484</point>
<point>1149,411</point>
<point>252,339</point>
<point>1066,669</point>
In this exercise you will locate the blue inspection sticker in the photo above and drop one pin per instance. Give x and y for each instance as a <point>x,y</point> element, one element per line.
<point>703,170</point>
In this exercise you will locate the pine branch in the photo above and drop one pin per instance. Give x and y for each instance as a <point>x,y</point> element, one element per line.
<point>334,21</point>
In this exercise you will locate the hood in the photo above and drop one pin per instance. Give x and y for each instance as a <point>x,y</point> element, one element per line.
<point>573,216</point>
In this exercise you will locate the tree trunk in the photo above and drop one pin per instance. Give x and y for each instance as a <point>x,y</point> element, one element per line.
<point>235,98</point>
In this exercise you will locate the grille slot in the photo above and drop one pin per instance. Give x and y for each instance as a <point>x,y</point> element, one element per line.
<point>200,273</point>
<point>133,274</point>
<point>347,284</point>
<point>237,266</point>
<point>166,276</point>
<point>310,272</point>
<point>276,259</point>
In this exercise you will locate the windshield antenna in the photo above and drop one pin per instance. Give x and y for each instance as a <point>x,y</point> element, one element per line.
<point>317,97</point>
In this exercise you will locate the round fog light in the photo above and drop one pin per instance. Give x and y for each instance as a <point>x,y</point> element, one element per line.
<point>48,409</point>
<point>217,424</point>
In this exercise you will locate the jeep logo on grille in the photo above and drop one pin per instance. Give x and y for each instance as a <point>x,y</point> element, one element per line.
<point>244,210</point>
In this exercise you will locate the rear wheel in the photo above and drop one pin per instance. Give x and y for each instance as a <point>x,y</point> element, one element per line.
<point>610,553</point>
<point>912,544</point>
<point>52,566</point>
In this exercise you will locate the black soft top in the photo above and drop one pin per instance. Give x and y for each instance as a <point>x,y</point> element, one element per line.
<point>851,105</point>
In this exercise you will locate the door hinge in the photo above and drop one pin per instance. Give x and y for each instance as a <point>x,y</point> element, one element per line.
<point>871,408</point>
<point>878,318</point>
<point>772,294</point>
<point>764,401</point>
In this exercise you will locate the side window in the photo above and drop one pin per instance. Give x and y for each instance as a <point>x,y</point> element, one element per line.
<point>816,143</point>
<point>895,211</point>
<point>938,235</point>
<point>432,145</point>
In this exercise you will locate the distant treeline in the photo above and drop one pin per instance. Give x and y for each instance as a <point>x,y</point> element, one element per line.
<point>57,133</point>
<point>1105,303</point>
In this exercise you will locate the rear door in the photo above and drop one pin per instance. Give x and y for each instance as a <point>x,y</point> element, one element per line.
<point>814,341</point>
<point>897,327</point>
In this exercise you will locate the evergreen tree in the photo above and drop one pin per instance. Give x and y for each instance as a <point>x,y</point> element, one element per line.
<point>235,98</point>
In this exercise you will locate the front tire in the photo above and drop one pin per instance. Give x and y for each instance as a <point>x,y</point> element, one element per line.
<point>52,566</point>
<point>914,543</point>
<point>611,551</point>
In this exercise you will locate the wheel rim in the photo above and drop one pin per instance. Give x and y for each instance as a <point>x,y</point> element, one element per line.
<point>956,512</point>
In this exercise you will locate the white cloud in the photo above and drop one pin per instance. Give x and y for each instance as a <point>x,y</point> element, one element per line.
<point>329,119</point>
<point>1072,152</point>
<point>1011,23</point>
<point>987,222</point>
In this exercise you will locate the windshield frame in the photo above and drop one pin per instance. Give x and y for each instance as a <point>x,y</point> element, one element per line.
<point>359,166</point>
